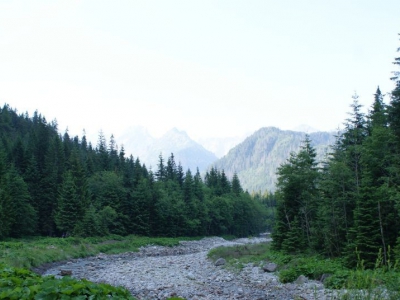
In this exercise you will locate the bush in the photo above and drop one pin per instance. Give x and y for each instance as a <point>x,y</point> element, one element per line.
<point>288,275</point>
<point>23,284</point>
<point>337,280</point>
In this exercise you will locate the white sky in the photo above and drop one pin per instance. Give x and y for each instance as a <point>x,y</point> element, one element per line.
<point>211,68</point>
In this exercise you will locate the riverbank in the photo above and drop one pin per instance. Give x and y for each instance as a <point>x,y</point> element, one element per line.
<point>157,272</point>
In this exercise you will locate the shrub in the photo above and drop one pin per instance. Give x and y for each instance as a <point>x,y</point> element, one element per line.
<point>23,284</point>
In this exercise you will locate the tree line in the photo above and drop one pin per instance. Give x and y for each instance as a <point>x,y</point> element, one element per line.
<point>348,205</point>
<point>57,185</point>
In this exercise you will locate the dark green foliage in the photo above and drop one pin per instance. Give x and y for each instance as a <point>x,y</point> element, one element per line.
<point>57,185</point>
<point>18,216</point>
<point>68,208</point>
<point>23,284</point>
<point>297,196</point>
<point>351,207</point>
<point>236,187</point>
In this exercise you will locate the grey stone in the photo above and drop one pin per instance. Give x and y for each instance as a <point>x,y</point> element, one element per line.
<point>220,262</point>
<point>65,272</point>
<point>301,279</point>
<point>270,267</point>
<point>157,272</point>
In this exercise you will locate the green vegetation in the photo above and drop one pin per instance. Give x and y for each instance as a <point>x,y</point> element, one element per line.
<point>22,284</point>
<point>256,159</point>
<point>290,267</point>
<point>19,255</point>
<point>348,205</point>
<point>98,200</point>
<point>345,209</point>
<point>360,283</point>
<point>55,185</point>
<point>33,252</point>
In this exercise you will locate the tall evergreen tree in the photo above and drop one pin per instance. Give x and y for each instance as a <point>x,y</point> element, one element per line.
<point>297,195</point>
<point>67,215</point>
<point>335,213</point>
<point>394,109</point>
<point>49,185</point>
<point>171,169</point>
<point>161,173</point>
<point>236,187</point>
<point>103,155</point>
<point>19,211</point>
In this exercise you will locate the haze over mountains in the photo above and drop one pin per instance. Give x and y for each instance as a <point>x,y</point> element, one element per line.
<point>138,142</point>
<point>257,158</point>
<point>254,158</point>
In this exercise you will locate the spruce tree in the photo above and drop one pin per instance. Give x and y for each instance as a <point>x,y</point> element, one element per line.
<point>236,186</point>
<point>161,173</point>
<point>171,169</point>
<point>103,163</point>
<point>297,195</point>
<point>335,212</point>
<point>67,215</point>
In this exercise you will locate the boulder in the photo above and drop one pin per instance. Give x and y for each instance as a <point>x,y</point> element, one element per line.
<point>301,279</point>
<point>220,262</point>
<point>65,272</point>
<point>270,267</point>
<point>190,276</point>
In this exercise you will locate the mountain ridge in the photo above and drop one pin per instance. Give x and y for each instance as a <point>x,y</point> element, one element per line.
<point>257,158</point>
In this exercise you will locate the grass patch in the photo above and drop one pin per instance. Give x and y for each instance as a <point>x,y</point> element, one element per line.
<point>383,282</point>
<point>33,252</point>
<point>252,253</point>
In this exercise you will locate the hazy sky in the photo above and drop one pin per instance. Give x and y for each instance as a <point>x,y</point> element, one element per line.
<point>211,68</point>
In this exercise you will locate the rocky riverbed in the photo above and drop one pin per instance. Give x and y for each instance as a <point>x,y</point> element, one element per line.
<point>157,272</point>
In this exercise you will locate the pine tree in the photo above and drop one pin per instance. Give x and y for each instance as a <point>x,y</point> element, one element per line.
<point>180,176</point>
<point>297,195</point>
<point>171,170</point>
<point>78,173</point>
<point>224,184</point>
<point>67,215</point>
<point>394,108</point>
<point>113,154</point>
<point>198,186</point>
<point>49,185</point>
<point>103,163</point>
<point>188,187</point>
<point>236,186</point>
<point>161,173</point>
<point>140,211</point>
<point>335,213</point>
<point>380,168</point>
<point>90,224</point>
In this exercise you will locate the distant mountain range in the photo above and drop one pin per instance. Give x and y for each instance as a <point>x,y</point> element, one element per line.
<point>138,142</point>
<point>257,158</point>
<point>220,146</point>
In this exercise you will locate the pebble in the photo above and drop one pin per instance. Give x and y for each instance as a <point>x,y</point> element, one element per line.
<point>157,272</point>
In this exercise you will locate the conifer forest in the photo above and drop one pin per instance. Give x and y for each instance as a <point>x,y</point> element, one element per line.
<point>56,185</point>
<point>348,205</point>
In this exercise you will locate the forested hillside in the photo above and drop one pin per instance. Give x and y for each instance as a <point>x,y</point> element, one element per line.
<point>351,206</point>
<point>258,157</point>
<point>57,185</point>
